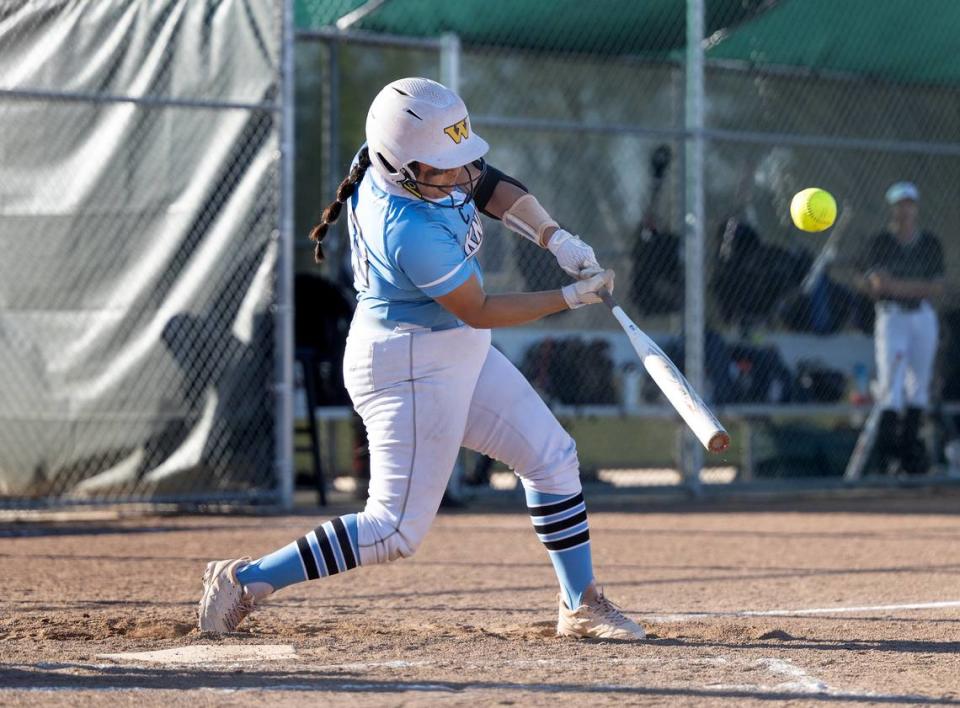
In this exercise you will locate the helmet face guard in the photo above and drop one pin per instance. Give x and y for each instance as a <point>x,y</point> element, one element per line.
<point>458,194</point>
<point>414,122</point>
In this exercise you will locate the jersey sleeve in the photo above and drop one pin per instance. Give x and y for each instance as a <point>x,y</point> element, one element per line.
<point>432,258</point>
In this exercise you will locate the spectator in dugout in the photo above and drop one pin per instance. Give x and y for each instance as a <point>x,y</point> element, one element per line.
<point>903,274</point>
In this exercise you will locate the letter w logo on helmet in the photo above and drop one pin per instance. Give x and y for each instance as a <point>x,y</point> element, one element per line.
<point>458,131</point>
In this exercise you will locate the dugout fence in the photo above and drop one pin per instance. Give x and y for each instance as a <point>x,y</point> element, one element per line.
<point>146,276</point>
<point>673,135</point>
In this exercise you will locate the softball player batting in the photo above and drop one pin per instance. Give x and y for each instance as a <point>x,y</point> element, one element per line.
<point>419,366</point>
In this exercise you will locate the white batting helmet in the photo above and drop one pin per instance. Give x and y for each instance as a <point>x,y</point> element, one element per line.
<point>419,120</point>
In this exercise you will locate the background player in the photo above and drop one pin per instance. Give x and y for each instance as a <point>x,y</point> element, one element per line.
<point>904,275</point>
<point>419,366</point>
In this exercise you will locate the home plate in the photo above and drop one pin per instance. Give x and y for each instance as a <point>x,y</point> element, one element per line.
<point>207,654</point>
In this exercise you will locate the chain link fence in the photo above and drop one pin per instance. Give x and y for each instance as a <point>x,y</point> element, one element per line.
<point>143,312</point>
<point>140,218</point>
<point>594,107</point>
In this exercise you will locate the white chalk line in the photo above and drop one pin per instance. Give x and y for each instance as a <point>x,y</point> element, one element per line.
<point>688,616</point>
<point>800,680</point>
<point>801,683</point>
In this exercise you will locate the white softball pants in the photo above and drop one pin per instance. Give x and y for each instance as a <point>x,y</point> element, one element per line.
<point>422,396</point>
<point>910,337</point>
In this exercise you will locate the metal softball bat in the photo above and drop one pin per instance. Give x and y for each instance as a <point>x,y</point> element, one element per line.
<point>675,387</point>
<point>867,439</point>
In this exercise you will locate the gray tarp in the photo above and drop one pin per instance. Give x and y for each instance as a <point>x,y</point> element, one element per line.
<point>137,246</point>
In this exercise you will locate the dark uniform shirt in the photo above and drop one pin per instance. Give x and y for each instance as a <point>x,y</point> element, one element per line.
<point>921,259</point>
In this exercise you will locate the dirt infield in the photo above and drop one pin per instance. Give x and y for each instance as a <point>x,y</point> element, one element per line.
<point>858,603</point>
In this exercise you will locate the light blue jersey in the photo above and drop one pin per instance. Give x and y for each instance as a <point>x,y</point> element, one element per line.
<point>406,252</point>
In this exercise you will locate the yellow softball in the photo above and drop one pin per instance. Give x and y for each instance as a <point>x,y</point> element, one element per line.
<point>813,209</point>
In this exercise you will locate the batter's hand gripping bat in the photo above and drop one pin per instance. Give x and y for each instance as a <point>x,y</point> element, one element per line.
<point>673,384</point>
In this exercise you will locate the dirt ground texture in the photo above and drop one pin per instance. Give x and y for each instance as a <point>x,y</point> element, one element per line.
<point>860,603</point>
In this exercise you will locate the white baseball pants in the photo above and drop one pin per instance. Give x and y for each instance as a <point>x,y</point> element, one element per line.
<point>910,335</point>
<point>422,395</point>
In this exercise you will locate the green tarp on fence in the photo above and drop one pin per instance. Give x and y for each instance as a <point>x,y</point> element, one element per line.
<point>891,40</point>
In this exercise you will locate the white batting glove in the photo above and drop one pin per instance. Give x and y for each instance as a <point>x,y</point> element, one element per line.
<point>584,292</point>
<point>574,255</point>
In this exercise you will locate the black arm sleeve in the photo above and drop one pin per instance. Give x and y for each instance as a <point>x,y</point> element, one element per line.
<point>491,178</point>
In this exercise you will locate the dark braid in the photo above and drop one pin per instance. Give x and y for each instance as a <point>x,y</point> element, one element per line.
<point>332,211</point>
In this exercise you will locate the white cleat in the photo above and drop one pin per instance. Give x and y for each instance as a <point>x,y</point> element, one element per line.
<point>225,601</point>
<point>597,618</point>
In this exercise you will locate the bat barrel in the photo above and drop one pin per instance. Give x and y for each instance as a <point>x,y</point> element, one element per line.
<point>719,441</point>
<point>685,401</point>
<point>672,383</point>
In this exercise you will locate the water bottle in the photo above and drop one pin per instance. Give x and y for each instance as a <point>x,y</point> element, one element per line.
<point>861,384</point>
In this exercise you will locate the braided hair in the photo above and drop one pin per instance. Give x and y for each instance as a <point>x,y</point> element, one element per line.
<point>332,211</point>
